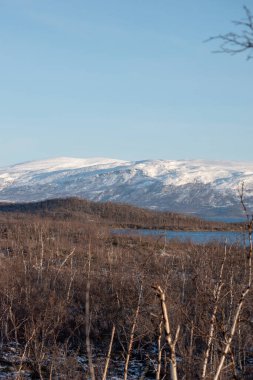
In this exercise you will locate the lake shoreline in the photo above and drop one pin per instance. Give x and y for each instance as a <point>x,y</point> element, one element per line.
<point>196,237</point>
<point>232,227</point>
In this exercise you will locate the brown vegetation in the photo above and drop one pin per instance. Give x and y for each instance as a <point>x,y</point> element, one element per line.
<point>116,215</point>
<point>66,279</point>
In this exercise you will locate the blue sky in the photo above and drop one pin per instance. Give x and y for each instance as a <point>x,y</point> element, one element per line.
<point>129,79</point>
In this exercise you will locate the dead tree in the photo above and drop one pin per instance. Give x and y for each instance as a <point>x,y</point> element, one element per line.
<point>87,319</point>
<point>229,337</point>
<point>217,292</point>
<point>159,350</point>
<point>131,340</point>
<point>238,42</point>
<point>171,342</point>
<point>108,354</point>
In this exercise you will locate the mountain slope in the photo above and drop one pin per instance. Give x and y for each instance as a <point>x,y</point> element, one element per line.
<point>115,214</point>
<point>203,187</point>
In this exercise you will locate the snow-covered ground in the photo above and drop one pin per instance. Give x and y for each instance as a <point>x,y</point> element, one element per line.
<point>188,186</point>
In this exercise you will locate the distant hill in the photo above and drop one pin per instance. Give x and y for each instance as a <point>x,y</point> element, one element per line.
<point>200,187</point>
<point>115,215</point>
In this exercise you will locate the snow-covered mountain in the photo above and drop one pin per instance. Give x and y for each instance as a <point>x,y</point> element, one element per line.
<point>203,187</point>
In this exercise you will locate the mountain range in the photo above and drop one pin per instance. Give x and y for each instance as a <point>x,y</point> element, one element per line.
<point>206,188</point>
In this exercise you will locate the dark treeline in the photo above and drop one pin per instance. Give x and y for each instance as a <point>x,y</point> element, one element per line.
<point>65,282</point>
<point>118,215</point>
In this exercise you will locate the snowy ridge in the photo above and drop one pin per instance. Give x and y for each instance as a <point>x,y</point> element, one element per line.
<point>222,174</point>
<point>185,186</point>
<point>61,163</point>
<point>25,171</point>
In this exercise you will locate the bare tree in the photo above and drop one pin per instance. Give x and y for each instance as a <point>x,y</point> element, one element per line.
<point>238,42</point>
<point>87,319</point>
<point>246,289</point>
<point>171,343</point>
<point>131,340</point>
<point>217,293</point>
<point>159,350</point>
<point>108,358</point>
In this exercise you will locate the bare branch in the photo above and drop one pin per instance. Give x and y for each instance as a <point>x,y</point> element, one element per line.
<point>130,345</point>
<point>109,354</point>
<point>234,43</point>
<point>240,304</point>
<point>171,343</point>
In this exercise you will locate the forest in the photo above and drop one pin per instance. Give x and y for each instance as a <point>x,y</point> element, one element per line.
<point>117,215</point>
<point>78,302</point>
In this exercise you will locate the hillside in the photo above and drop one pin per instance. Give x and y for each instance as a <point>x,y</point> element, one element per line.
<point>115,215</point>
<point>201,187</point>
